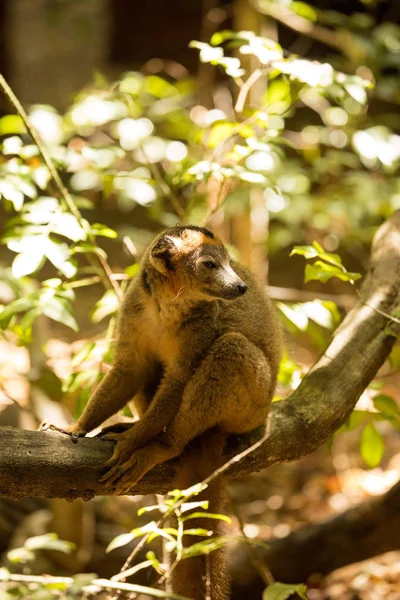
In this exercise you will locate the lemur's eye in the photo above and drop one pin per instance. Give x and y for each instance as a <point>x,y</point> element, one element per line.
<point>210,264</point>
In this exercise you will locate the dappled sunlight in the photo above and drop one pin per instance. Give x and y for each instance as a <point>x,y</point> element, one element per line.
<point>135,189</point>
<point>176,152</point>
<point>132,131</point>
<point>261,161</point>
<point>377,143</point>
<point>94,110</point>
<point>48,123</point>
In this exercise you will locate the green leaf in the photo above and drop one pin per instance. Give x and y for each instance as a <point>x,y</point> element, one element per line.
<point>386,405</point>
<point>283,591</point>
<point>287,369</point>
<point>15,307</point>
<point>221,36</point>
<point>191,505</point>
<point>206,515</point>
<point>68,225</point>
<point>252,177</point>
<point>215,56</point>
<point>20,555</point>
<point>49,541</point>
<point>198,531</point>
<point>294,314</point>
<point>220,132</point>
<point>145,509</point>
<point>11,124</point>
<point>278,96</point>
<point>321,271</point>
<point>232,66</point>
<point>12,194</point>
<point>120,540</point>
<point>58,254</point>
<point>371,445</point>
<point>319,313</point>
<point>317,250</point>
<point>306,251</point>
<point>132,270</point>
<point>357,92</point>
<point>207,53</point>
<point>103,230</point>
<point>355,419</point>
<point>304,10</point>
<point>82,354</point>
<point>204,547</point>
<point>77,380</point>
<point>106,306</point>
<point>59,310</point>
<point>27,263</point>
<point>54,282</point>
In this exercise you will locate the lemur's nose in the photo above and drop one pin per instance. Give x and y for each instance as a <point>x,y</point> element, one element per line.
<point>242,287</point>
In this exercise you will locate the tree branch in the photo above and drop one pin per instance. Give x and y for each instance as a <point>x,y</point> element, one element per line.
<point>361,532</point>
<point>48,464</point>
<point>302,25</point>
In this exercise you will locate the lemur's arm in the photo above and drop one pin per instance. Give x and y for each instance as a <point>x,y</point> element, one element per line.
<point>116,389</point>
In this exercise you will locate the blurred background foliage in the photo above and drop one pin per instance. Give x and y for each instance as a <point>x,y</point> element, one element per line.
<point>285,133</point>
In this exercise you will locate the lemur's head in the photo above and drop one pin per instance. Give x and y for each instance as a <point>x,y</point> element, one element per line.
<point>195,261</point>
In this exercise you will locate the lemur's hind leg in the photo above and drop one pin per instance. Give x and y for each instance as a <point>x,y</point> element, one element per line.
<point>233,383</point>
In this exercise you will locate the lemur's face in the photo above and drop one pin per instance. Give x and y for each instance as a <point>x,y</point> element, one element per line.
<point>199,263</point>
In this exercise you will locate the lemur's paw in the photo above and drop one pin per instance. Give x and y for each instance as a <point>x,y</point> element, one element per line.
<point>124,469</point>
<point>121,478</point>
<point>74,435</point>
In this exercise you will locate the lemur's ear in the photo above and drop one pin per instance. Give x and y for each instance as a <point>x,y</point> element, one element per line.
<point>163,252</point>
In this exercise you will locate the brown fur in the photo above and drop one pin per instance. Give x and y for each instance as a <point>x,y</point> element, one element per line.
<point>199,354</point>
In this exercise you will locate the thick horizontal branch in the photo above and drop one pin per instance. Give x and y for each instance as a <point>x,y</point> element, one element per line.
<point>48,464</point>
<point>364,531</point>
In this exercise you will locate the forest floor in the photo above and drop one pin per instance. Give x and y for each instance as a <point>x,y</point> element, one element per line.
<point>332,480</point>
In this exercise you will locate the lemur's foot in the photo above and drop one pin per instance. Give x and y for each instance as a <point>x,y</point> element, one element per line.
<point>124,473</point>
<point>45,426</point>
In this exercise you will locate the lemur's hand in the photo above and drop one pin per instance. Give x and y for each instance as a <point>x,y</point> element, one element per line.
<point>70,430</point>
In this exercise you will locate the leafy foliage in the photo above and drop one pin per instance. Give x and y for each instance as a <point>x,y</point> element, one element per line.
<point>329,265</point>
<point>283,591</point>
<point>175,503</point>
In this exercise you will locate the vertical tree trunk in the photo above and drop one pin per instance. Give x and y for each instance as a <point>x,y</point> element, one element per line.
<point>53,47</point>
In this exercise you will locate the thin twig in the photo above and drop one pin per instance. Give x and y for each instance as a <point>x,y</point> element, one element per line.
<point>140,589</point>
<point>95,279</point>
<point>218,204</point>
<point>261,567</point>
<point>378,310</point>
<point>100,583</point>
<point>165,188</point>
<point>205,482</point>
<point>246,87</point>
<point>301,24</point>
<point>106,269</point>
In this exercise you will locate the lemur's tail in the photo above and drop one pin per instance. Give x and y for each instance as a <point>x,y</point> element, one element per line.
<point>203,576</point>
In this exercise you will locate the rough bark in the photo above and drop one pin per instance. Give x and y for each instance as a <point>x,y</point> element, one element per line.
<point>50,465</point>
<point>367,530</point>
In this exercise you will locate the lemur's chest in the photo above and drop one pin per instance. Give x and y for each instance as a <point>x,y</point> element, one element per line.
<point>160,330</point>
